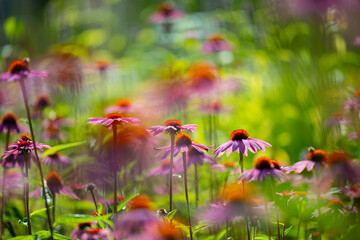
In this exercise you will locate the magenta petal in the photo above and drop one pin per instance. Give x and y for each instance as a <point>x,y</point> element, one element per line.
<point>68,192</point>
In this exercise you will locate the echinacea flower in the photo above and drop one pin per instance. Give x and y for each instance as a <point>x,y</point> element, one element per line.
<point>166,12</point>
<point>215,43</point>
<point>80,230</point>
<point>240,142</point>
<point>172,127</point>
<point>354,136</point>
<point>335,206</point>
<point>123,106</point>
<point>164,168</point>
<point>263,168</point>
<point>19,70</point>
<point>57,159</point>
<point>336,119</point>
<point>183,142</point>
<point>53,127</point>
<point>16,153</point>
<point>194,156</point>
<point>227,167</point>
<point>113,119</point>
<point>55,186</point>
<point>95,234</point>
<point>214,107</point>
<point>352,105</point>
<point>315,159</point>
<point>13,180</point>
<point>9,123</point>
<point>42,101</point>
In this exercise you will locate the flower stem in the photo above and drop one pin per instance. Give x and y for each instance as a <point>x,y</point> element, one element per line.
<point>53,210</point>
<point>298,229</point>
<point>26,191</point>
<point>186,194</point>
<point>284,221</point>
<point>3,204</point>
<point>267,212</point>
<point>23,90</point>
<point>93,197</point>
<point>196,186</point>
<point>172,140</point>
<point>114,127</point>
<point>276,209</point>
<point>241,161</point>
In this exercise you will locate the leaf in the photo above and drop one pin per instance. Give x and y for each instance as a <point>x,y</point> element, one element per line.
<point>288,230</point>
<point>39,211</point>
<point>61,147</point>
<point>78,218</point>
<point>99,208</point>
<point>123,203</point>
<point>23,237</point>
<point>171,214</point>
<point>47,193</point>
<point>200,227</point>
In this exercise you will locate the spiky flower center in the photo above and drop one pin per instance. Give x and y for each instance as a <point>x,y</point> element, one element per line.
<point>165,8</point>
<point>338,115</point>
<point>202,73</point>
<point>317,155</point>
<point>114,115</point>
<point>263,162</point>
<point>123,103</point>
<point>229,164</point>
<point>9,119</point>
<point>183,139</point>
<point>239,135</point>
<point>24,140</point>
<point>54,180</point>
<point>19,66</point>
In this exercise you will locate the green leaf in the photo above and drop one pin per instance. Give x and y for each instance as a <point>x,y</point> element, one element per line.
<point>23,237</point>
<point>288,230</point>
<point>99,208</point>
<point>39,211</point>
<point>171,214</point>
<point>61,147</point>
<point>123,203</point>
<point>199,227</point>
<point>78,218</point>
<point>47,193</point>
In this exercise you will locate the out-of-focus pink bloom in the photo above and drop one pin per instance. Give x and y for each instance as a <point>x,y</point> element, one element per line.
<point>321,6</point>
<point>102,65</point>
<point>53,127</point>
<point>263,168</point>
<point>195,156</point>
<point>122,106</point>
<point>95,234</point>
<point>215,43</point>
<point>133,222</point>
<point>227,167</point>
<point>164,168</point>
<point>352,105</point>
<point>113,119</point>
<point>357,41</point>
<point>240,142</point>
<point>57,159</point>
<point>162,231</point>
<point>55,186</point>
<point>9,123</point>
<point>353,192</point>
<point>315,159</point>
<point>183,142</point>
<point>166,12</point>
<point>172,127</point>
<point>42,101</point>
<point>80,230</point>
<point>336,119</point>
<point>335,206</point>
<point>13,180</point>
<point>341,170</point>
<point>354,136</point>
<point>16,153</point>
<point>20,70</point>
<point>214,107</point>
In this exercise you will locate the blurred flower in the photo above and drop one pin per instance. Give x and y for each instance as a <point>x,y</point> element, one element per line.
<point>215,43</point>
<point>352,105</point>
<point>80,230</point>
<point>214,107</point>
<point>9,123</point>
<point>166,12</point>
<point>16,153</point>
<point>336,119</point>
<point>19,70</point>
<point>136,219</point>
<point>56,159</point>
<point>164,168</point>
<point>357,41</point>
<point>123,106</point>
<point>227,167</point>
<point>240,142</point>
<point>42,101</point>
<point>195,156</point>
<point>164,231</point>
<point>113,119</point>
<point>315,159</point>
<point>263,168</point>
<point>13,180</point>
<point>354,136</point>
<point>55,186</point>
<point>102,65</point>
<point>95,233</point>
<point>52,127</point>
<point>183,142</point>
<point>335,206</point>
<point>172,127</point>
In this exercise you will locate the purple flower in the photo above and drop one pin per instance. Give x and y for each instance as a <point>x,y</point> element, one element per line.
<point>95,233</point>
<point>172,127</point>
<point>9,122</point>
<point>183,142</point>
<point>240,142</point>
<point>315,159</point>
<point>53,127</point>
<point>226,167</point>
<point>193,156</point>
<point>336,119</point>
<point>56,159</point>
<point>166,12</point>
<point>16,153</point>
<point>19,70</point>
<point>352,105</point>
<point>215,43</point>
<point>357,41</point>
<point>55,186</point>
<point>263,168</point>
<point>164,168</point>
<point>114,119</point>
<point>80,230</point>
<point>353,136</point>
<point>13,180</point>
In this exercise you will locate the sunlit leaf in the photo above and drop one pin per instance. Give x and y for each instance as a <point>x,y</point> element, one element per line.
<point>39,211</point>
<point>61,147</point>
<point>123,203</point>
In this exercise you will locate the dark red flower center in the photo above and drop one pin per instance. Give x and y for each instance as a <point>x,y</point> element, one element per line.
<point>263,162</point>
<point>239,135</point>
<point>84,225</point>
<point>24,138</point>
<point>93,231</point>
<point>9,119</point>
<point>114,115</point>
<point>165,164</point>
<point>23,143</point>
<point>317,155</point>
<point>215,37</point>
<point>54,180</point>
<point>183,139</point>
<point>102,64</point>
<point>19,66</point>
<point>123,103</point>
<point>165,8</point>
<point>276,164</point>
<point>338,115</point>
<point>42,101</point>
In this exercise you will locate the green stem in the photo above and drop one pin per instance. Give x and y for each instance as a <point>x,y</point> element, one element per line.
<point>276,209</point>
<point>93,197</point>
<point>26,191</point>
<point>23,90</point>
<point>3,203</point>
<point>53,210</point>
<point>196,186</point>
<point>241,161</point>
<point>186,194</point>
<point>172,142</point>
<point>267,212</point>
<point>285,208</point>
<point>114,127</point>
<point>298,229</point>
